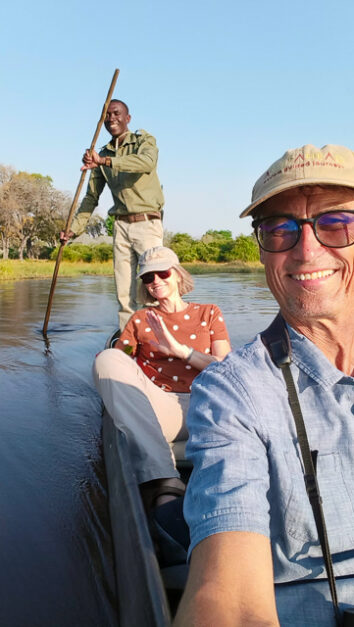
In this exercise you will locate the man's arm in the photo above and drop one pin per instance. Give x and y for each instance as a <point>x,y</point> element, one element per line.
<point>89,202</point>
<point>230,583</point>
<point>141,162</point>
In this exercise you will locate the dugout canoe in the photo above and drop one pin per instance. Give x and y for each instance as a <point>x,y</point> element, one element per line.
<point>147,595</point>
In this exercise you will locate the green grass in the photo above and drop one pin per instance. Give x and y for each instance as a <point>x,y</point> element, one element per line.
<point>14,269</point>
<point>216,268</point>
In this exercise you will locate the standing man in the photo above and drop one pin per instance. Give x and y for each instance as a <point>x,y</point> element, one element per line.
<point>250,518</point>
<point>127,164</point>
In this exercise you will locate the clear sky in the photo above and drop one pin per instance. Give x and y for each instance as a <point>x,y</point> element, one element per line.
<point>225,86</point>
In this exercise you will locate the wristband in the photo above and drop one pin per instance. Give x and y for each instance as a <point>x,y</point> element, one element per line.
<point>188,358</point>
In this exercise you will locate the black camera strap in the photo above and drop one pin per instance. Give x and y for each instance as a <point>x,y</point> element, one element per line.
<point>277,341</point>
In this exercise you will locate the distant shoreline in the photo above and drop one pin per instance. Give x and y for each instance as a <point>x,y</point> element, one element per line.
<point>14,269</point>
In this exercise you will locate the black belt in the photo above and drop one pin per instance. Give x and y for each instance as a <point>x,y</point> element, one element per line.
<point>139,217</point>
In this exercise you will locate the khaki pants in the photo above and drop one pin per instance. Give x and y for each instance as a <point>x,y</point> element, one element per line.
<point>130,241</point>
<point>149,416</point>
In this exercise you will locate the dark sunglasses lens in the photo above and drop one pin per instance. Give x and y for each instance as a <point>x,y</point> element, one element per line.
<point>164,274</point>
<point>278,234</point>
<point>148,277</point>
<point>336,229</point>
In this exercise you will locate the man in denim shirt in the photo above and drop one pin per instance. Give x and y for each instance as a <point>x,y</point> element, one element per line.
<point>250,519</point>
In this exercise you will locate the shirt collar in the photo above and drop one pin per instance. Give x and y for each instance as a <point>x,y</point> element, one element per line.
<point>309,358</point>
<point>129,138</point>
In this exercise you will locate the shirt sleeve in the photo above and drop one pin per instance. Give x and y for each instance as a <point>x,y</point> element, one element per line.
<point>218,330</point>
<point>128,341</point>
<point>89,202</point>
<point>228,487</point>
<point>143,161</point>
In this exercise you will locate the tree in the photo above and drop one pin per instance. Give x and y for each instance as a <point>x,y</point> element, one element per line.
<point>244,248</point>
<point>96,226</point>
<point>109,223</point>
<point>216,236</point>
<point>31,211</point>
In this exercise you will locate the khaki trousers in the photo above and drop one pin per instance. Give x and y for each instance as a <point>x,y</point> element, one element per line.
<point>130,240</point>
<point>150,417</point>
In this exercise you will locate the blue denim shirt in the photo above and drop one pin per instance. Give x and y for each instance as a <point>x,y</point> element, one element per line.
<point>248,472</point>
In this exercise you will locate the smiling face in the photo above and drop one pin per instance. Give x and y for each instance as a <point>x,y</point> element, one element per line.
<point>164,289</point>
<point>311,282</point>
<point>117,119</point>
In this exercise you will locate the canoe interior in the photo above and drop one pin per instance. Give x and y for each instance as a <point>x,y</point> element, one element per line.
<point>146,595</point>
<point>141,586</point>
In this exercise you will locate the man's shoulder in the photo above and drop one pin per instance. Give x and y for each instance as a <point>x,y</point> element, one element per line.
<point>141,135</point>
<point>249,364</point>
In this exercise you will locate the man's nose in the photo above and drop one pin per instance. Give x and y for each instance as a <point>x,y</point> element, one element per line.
<point>308,244</point>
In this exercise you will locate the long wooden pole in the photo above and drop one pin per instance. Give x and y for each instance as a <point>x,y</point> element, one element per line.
<point>75,201</point>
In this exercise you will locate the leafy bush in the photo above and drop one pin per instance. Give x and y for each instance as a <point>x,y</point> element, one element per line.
<point>244,249</point>
<point>83,252</point>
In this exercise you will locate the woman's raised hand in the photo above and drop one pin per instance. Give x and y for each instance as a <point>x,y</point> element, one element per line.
<point>166,343</point>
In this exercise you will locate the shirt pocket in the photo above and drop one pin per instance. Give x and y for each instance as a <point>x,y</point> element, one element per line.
<point>337,503</point>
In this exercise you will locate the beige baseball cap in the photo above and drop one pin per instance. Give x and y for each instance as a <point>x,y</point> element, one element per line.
<point>330,165</point>
<point>157,258</point>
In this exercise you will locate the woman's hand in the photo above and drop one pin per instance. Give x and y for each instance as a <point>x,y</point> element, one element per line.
<point>166,343</point>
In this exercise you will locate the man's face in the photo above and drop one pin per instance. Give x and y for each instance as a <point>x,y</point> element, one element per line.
<point>117,119</point>
<point>292,275</point>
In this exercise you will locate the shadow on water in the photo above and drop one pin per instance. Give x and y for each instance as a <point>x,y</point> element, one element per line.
<point>56,566</point>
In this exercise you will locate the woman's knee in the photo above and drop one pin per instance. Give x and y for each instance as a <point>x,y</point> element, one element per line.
<point>110,362</point>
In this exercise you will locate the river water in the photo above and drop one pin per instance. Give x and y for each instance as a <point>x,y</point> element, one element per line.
<point>56,567</point>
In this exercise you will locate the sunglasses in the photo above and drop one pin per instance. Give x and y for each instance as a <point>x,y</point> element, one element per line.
<point>149,276</point>
<point>276,234</point>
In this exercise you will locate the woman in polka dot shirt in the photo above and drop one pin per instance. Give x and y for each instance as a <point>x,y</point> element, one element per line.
<point>145,384</point>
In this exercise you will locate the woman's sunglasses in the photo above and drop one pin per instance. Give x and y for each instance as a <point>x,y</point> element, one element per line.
<point>149,276</point>
<point>276,234</point>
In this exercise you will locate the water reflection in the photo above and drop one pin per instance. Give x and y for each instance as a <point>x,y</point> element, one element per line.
<point>55,543</point>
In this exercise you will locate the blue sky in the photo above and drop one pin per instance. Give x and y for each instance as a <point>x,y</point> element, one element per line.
<point>225,86</point>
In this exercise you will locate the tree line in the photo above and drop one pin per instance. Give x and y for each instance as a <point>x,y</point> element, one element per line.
<point>33,212</point>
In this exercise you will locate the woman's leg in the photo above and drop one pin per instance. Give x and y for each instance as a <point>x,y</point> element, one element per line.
<point>143,411</point>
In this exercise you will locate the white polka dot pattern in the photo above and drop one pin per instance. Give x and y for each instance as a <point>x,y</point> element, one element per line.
<point>196,326</point>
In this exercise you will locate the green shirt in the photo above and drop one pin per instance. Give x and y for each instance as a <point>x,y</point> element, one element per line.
<point>132,179</point>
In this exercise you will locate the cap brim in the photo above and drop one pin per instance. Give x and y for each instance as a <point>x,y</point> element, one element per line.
<point>154,267</point>
<point>291,185</point>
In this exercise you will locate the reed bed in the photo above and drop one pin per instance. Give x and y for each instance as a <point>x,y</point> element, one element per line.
<point>14,269</point>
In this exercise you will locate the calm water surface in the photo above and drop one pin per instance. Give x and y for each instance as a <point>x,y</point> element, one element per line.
<point>56,567</point>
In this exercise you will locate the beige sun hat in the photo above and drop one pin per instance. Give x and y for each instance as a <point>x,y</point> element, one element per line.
<point>157,258</point>
<point>309,165</point>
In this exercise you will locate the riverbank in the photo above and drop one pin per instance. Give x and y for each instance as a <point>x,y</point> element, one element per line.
<point>14,269</point>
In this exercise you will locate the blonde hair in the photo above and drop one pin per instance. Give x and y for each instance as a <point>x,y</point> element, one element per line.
<point>185,285</point>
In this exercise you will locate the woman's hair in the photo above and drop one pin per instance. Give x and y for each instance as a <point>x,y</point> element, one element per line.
<point>185,285</point>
